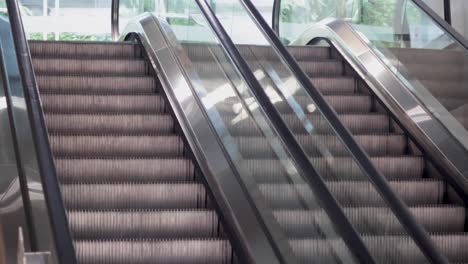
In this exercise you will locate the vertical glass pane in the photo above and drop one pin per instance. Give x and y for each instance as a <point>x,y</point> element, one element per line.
<point>281,194</point>
<point>408,40</point>
<point>12,211</point>
<point>40,223</point>
<point>459,10</point>
<point>350,185</point>
<point>67,19</point>
<point>181,15</point>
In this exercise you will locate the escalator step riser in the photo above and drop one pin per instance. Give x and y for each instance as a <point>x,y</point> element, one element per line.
<point>341,104</point>
<point>241,125</point>
<point>122,196</point>
<point>374,145</point>
<point>344,104</point>
<point>323,68</point>
<point>373,220</point>
<point>387,249</point>
<point>130,170</point>
<point>163,251</point>
<point>321,250</point>
<point>414,193</point>
<point>110,124</point>
<point>91,104</point>
<point>336,86</point>
<point>439,72</point>
<point>301,54</point>
<point>116,146</point>
<point>80,66</point>
<point>341,168</point>
<point>115,85</point>
<point>143,224</point>
<point>83,49</point>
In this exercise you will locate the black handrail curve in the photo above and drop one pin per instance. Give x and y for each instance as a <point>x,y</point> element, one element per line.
<point>380,182</point>
<point>115,19</point>
<point>305,168</point>
<point>57,214</point>
<point>275,17</point>
<point>445,24</point>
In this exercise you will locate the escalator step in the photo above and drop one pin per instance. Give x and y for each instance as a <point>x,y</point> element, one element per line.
<point>183,251</point>
<point>353,193</point>
<point>242,125</point>
<point>84,49</point>
<point>117,146</point>
<point>322,68</point>
<point>87,66</point>
<point>349,104</point>
<point>122,196</point>
<point>301,54</point>
<point>372,220</point>
<point>318,145</point>
<point>90,104</point>
<point>129,170</point>
<point>339,85</point>
<point>342,168</point>
<point>385,249</point>
<point>80,124</point>
<point>143,224</point>
<point>341,104</point>
<point>85,85</point>
<point>419,192</point>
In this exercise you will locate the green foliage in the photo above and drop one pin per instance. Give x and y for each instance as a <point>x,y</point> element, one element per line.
<point>140,5</point>
<point>297,11</point>
<point>368,12</point>
<point>378,12</point>
<point>181,21</point>
<point>69,36</point>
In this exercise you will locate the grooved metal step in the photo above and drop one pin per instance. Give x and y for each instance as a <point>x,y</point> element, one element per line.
<point>131,193</point>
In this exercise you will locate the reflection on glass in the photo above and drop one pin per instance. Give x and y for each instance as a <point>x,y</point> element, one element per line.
<point>67,19</point>
<point>183,16</point>
<point>252,145</point>
<point>427,59</point>
<point>26,152</point>
<point>351,186</point>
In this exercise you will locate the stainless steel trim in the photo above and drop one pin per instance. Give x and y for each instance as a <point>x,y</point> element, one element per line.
<point>24,257</point>
<point>442,136</point>
<point>229,191</point>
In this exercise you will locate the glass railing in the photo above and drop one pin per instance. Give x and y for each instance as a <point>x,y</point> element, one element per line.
<point>182,17</point>
<point>415,47</point>
<point>327,152</point>
<point>21,183</point>
<point>251,142</point>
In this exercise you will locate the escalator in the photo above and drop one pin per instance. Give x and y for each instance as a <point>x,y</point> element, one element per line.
<point>132,193</point>
<point>434,198</point>
<point>120,160</point>
<point>136,190</point>
<point>432,202</point>
<point>430,198</point>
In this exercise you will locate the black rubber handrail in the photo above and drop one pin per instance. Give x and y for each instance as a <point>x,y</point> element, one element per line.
<point>50,184</point>
<point>115,19</point>
<point>399,208</point>
<point>304,166</point>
